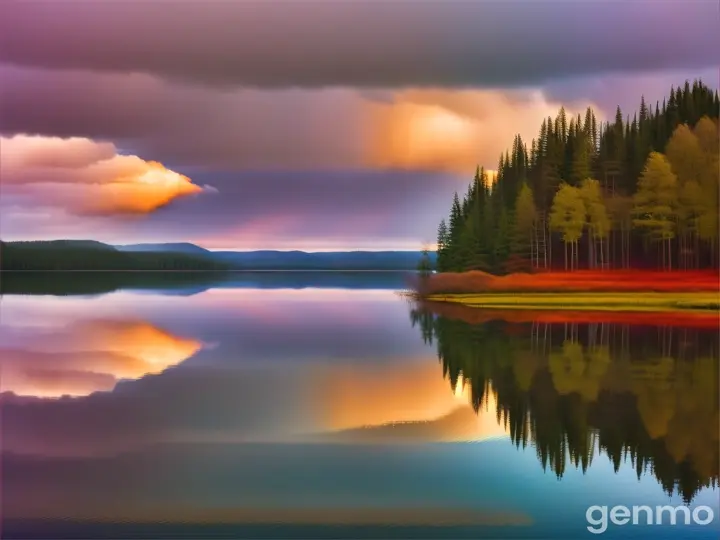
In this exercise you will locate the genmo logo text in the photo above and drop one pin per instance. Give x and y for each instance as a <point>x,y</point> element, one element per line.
<point>600,517</point>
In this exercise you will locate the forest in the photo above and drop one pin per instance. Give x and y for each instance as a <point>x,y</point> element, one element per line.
<point>92,255</point>
<point>632,193</point>
<point>642,393</point>
<point>89,255</point>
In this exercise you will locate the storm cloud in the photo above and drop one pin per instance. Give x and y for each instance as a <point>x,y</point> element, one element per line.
<point>412,129</point>
<point>315,44</point>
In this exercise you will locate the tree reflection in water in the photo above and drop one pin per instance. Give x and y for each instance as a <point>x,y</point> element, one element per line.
<point>639,392</point>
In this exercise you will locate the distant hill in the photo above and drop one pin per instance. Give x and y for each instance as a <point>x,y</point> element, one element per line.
<point>294,260</point>
<point>179,247</point>
<point>341,260</point>
<point>61,244</point>
<point>92,255</point>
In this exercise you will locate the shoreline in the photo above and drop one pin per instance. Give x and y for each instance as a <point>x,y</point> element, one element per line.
<point>627,301</point>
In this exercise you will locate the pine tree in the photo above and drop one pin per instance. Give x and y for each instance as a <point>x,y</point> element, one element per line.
<point>501,241</point>
<point>455,232</point>
<point>522,246</point>
<point>425,266</point>
<point>643,110</point>
<point>442,246</point>
<point>575,148</point>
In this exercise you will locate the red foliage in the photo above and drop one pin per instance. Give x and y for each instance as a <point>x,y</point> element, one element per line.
<point>580,281</point>
<point>687,319</point>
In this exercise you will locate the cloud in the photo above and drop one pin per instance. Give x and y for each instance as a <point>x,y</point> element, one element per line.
<point>426,129</point>
<point>336,156</point>
<point>90,356</point>
<point>455,130</point>
<point>287,162</point>
<point>87,177</point>
<point>612,91</point>
<point>315,44</point>
<point>358,128</point>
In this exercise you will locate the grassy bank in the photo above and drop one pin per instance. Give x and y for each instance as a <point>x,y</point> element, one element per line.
<point>595,301</point>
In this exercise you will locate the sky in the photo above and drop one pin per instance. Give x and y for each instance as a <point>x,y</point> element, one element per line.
<point>303,124</point>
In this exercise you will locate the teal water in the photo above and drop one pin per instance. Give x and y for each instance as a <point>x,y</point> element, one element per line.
<point>322,407</point>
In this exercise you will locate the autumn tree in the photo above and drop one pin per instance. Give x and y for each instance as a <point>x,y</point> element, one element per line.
<point>707,134</point>
<point>686,159</point>
<point>567,217</point>
<point>655,204</point>
<point>487,230</point>
<point>597,219</point>
<point>685,155</point>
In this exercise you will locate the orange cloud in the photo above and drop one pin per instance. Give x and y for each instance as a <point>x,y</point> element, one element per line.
<point>91,356</point>
<point>88,177</point>
<point>453,130</point>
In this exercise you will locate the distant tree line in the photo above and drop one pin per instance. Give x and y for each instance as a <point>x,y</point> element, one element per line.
<point>93,255</point>
<point>629,193</point>
<point>72,255</point>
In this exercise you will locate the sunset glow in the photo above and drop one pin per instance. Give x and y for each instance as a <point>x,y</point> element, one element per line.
<point>85,177</point>
<point>397,396</point>
<point>91,356</point>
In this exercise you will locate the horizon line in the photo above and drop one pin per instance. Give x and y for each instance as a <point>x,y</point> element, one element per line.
<point>430,248</point>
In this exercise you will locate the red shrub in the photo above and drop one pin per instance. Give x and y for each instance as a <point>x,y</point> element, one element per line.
<point>581,281</point>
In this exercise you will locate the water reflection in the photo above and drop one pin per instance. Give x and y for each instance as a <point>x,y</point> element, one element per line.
<point>322,407</point>
<point>86,356</point>
<point>216,394</point>
<point>647,393</point>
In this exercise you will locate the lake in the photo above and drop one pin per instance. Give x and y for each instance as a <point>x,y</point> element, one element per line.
<point>325,405</point>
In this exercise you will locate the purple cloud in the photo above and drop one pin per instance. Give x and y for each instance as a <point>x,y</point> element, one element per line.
<point>361,44</point>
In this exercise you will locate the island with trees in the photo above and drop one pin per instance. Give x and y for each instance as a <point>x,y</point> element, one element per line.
<point>598,208</point>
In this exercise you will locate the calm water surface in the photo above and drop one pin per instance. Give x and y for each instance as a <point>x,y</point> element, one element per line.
<point>332,408</point>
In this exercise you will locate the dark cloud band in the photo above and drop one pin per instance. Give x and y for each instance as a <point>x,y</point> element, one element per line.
<point>361,44</point>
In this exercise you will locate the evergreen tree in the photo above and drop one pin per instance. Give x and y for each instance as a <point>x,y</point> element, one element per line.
<point>455,232</point>
<point>570,149</point>
<point>425,265</point>
<point>443,241</point>
<point>581,158</point>
<point>522,256</point>
<point>501,241</point>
